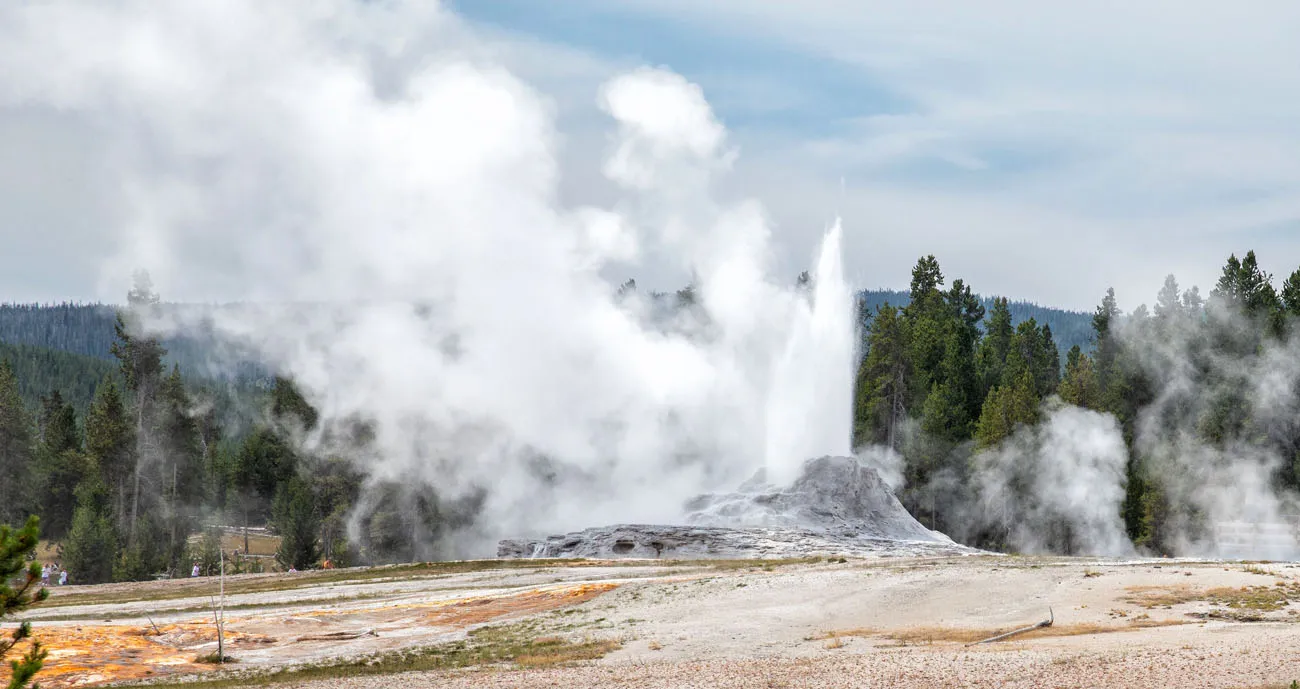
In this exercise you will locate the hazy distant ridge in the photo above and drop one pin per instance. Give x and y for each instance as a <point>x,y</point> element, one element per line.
<point>87,329</point>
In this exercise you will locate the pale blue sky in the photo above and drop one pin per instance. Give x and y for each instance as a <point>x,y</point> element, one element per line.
<point>1100,144</point>
<point>818,95</point>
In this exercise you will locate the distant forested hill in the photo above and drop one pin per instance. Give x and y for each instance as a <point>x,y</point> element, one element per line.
<point>1069,328</point>
<point>87,330</point>
<point>40,370</point>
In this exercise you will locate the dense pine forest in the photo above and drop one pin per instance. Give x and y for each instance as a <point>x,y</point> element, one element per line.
<point>126,457</point>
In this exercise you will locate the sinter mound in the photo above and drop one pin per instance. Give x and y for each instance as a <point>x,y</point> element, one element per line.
<point>837,506</point>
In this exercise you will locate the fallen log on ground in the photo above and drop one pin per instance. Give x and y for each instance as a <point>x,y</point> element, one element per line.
<point>336,636</point>
<point>1041,625</point>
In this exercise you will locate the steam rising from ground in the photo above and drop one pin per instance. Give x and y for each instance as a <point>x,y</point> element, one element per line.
<point>1061,485</point>
<point>1056,486</point>
<point>1242,391</point>
<point>369,159</point>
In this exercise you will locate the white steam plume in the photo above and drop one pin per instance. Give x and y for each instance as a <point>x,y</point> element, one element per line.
<point>372,158</point>
<point>1056,486</point>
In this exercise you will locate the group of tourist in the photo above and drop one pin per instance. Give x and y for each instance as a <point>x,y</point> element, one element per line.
<point>49,570</point>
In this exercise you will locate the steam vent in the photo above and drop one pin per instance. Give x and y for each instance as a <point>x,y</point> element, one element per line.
<point>837,506</point>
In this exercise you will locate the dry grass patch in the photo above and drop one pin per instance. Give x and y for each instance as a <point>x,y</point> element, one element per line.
<point>1261,598</point>
<point>551,651</point>
<point>1162,596</point>
<point>1256,598</point>
<point>215,658</point>
<point>258,544</point>
<point>928,635</point>
<point>931,635</point>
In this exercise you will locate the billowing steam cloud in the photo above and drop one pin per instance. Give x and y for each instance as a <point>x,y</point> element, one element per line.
<point>386,194</point>
<point>1057,486</point>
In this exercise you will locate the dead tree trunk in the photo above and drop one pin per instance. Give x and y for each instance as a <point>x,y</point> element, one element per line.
<point>1041,625</point>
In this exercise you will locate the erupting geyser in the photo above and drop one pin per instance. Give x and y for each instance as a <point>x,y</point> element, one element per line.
<point>793,505</point>
<point>810,403</point>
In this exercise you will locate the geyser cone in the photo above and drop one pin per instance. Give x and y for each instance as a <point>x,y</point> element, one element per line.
<point>810,404</point>
<point>836,505</point>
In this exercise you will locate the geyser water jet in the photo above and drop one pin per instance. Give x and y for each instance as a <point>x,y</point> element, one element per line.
<point>810,401</point>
